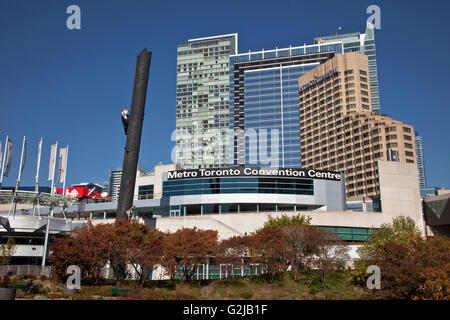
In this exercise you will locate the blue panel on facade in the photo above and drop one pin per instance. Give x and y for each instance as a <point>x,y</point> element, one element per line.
<point>271,109</point>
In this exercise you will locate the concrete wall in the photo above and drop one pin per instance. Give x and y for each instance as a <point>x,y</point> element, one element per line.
<point>400,192</point>
<point>29,251</point>
<point>233,224</point>
<point>159,171</point>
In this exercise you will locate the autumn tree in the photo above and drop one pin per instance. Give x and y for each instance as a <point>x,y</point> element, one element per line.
<point>234,250</point>
<point>418,270</point>
<point>85,247</point>
<point>435,273</point>
<point>118,234</point>
<point>331,254</point>
<point>7,251</point>
<point>267,247</point>
<point>188,247</point>
<point>144,250</point>
<point>301,244</point>
<point>285,221</point>
<point>401,231</point>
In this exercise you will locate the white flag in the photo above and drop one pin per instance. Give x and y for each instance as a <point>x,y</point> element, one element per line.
<point>62,165</point>
<point>8,159</point>
<point>51,167</point>
<point>38,160</point>
<point>24,157</point>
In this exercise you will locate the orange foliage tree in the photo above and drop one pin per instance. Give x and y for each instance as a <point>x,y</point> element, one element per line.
<point>267,247</point>
<point>420,270</point>
<point>188,247</point>
<point>145,249</point>
<point>86,247</point>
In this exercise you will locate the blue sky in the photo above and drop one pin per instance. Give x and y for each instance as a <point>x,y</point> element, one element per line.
<point>69,86</point>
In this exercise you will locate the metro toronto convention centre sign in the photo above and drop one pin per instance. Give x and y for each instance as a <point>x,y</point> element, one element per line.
<point>253,172</point>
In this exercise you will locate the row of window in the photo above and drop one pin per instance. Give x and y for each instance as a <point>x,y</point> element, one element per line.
<point>238,185</point>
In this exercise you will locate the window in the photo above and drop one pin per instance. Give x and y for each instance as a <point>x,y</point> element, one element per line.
<point>392,145</point>
<point>378,155</point>
<point>145,192</point>
<point>391,129</point>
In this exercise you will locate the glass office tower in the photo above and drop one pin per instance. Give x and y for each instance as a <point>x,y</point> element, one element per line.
<point>363,43</point>
<point>202,105</point>
<point>264,103</point>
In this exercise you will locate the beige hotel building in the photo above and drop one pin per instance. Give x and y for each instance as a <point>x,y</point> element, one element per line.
<point>339,132</point>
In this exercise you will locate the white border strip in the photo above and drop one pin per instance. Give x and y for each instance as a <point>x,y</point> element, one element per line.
<point>285,67</point>
<point>291,48</point>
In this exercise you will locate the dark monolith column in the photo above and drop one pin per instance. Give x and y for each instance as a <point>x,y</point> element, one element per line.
<point>134,131</point>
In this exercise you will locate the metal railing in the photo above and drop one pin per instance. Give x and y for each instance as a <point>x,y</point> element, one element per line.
<point>29,270</point>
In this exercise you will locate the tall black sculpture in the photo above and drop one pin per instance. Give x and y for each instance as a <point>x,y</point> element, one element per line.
<point>133,132</point>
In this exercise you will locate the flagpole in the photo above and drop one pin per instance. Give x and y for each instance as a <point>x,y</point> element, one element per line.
<point>38,166</point>
<point>3,162</point>
<point>53,180</point>
<point>47,227</point>
<point>18,177</point>
<point>65,171</point>
<point>36,188</point>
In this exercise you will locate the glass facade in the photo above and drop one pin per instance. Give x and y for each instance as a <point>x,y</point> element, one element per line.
<point>363,43</point>
<point>349,233</point>
<point>238,185</point>
<point>264,103</point>
<point>202,101</point>
<point>271,108</point>
<point>145,192</point>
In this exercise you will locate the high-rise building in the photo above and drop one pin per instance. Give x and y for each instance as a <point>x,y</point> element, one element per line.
<point>202,106</point>
<point>115,177</point>
<point>363,43</point>
<point>420,162</point>
<point>264,103</point>
<point>338,131</point>
<point>106,186</point>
